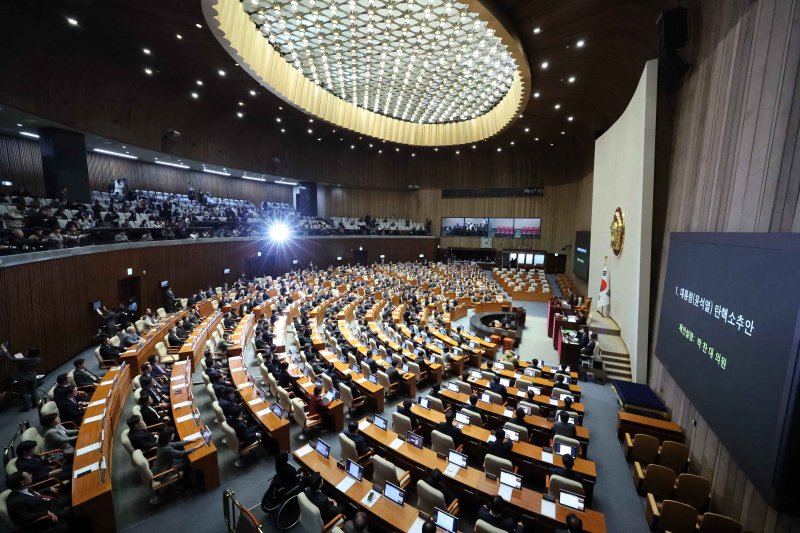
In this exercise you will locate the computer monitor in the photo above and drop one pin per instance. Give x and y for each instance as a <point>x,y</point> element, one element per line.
<point>354,470</point>
<point>537,391</point>
<point>462,418</point>
<point>530,371</point>
<point>424,402</point>
<point>564,449</point>
<point>373,379</point>
<point>472,344</point>
<point>566,379</point>
<point>571,420</point>
<point>458,459</point>
<point>277,410</point>
<point>440,345</point>
<point>415,440</point>
<point>563,397</point>
<point>355,369</point>
<point>262,394</point>
<point>453,387</point>
<point>331,395</point>
<point>476,374</point>
<point>380,422</point>
<point>394,493</point>
<point>510,479</point>
<point>526,408</point>
<point>505,382</point>
<point>443,331</point>
<point>498,366</point>
<point>570,499</point>
<point>206,435</point>
<point>342,359</point>
<point>323,449</point>
<point>485,398</point>
<point>404,368</point>
<point>317,381</point>
<point>445,521</point>
<point>511,434</point>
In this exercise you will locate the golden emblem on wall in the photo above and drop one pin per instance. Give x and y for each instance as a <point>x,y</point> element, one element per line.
<point>618,231</point>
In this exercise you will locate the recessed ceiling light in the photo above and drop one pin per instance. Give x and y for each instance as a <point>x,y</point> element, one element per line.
<point>536,139</point>
<point>278,119</point>
<point>545,64</point>
<point>179,36</point>
<point>29,134</point>
<point>252,92</point>
<point>281,108</point>
<point>397,149</point>
<point>146,51</point>
<point>474,147</point>
<point>536,95</point>
<point>520,115</point>
<point>527,130</point>
<point>283,130</point>
<point>72,21</point>
<point>221,72</point>
<point>239,114</point>
<point>310,131</point>
<point>571,79</point>
<point>380,151</point>
<point>537,30</point>
<point>563,132</point>
<point>148,71</point>
<point>319,138</point>
<point>511,143</point>
<point>311,121</point>
<point>199,82</point>
<point>557,106</point>
<point>570,118</point>
<point>198,26</point>
<point>580,43</point>
<point>19,125</point>
<point>413,154</point>
<point>352,146</point>
<point>241,104</point>
<point>499,149</point>
<point>195,96</point>
<point>436,149</point>
<point>458,152</point>
<point>370,145</point>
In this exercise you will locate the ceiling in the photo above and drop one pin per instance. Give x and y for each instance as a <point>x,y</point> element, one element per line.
<point>129,69</point>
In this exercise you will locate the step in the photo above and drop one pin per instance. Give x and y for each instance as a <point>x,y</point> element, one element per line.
<point>612,344</point>
<point>603,325</point>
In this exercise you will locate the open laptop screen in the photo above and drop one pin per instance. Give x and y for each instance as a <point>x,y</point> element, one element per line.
<point>416,440</point>
<point>462,418</point>
<point>563,449</point>
<point>323,449</point>
<point>380,422</point>
<point>570,499</point>
<point>354,469</point>
<point>394,493</point>
<point>511,479</point>
<point>445,521</point>
<point>457,458</point>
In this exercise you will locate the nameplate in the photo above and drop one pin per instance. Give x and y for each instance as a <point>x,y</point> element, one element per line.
<point>508,413</point>
<point>89,448</point>
<point>85,470</point>
<point>98,402</point>
<point>547,457</point>
<point>254,401</point>
<point>184,418</point>
<point>504,491</point>
<point>345,484</point>
<point>263,412</point>
<point>194,436</point>
<point>361,381</point>
<point>548,509</point>
<point>416,527</point>
<point>107,382</point>
<point>396,443</point>
<point>182,404</point>
<point>93,418</point>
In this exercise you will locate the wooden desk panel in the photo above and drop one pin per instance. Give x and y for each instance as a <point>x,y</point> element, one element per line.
<point>658,428</point>
<point>138,354</point>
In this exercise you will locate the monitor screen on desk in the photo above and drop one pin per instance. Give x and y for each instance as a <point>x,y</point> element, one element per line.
<point>472,344</point>
<point>373,379</point>
<point>415,440</point>
<point>262,394</point>
<point>476,374</point>
<point>445,521</point>
<point>355,369</point>
<point>394,493</point>
<point>563,449</point>
<point>462,418</point>
<point>458,459</point>
<point>570,499</point>
<point>207,435</point>
<point>510,479</point>
<point>424,402</point>
<point>505,382</point>
<point>404,368</point>
<point>323,448</point>
<point>342,359</point>
<point>530,371</point>
<point>512,435</point>
<point>537,391</point>
<point>563,397</point>
<point>380,422</point>
<point>277,410</point>
<point>453,387</point>
<point>354,469</point>
<point>526,408</point>
<point>485,398</point>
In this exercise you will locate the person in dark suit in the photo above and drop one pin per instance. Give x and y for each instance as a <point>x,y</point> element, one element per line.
<point>157,370</point>
<point>229,403</point>
<point>448,428</point>
<point>473,406</point>
<point>152,389</point>
<point>172,339</point>
<point>109,352</point>
<point>406,411</point>
<point>285,379</point>
<point>573,523</point>
<point>27,370</point>
<point>519,418</point>
<point>496,386</point>
<point>328,507</point>
<point>563,427</point>
<point>82,376</point>
<point>436,482</point>
<point>38,468</point>
<point>566,471</point>
<point>151,415</point>
<point>495,514</point>
<point>26,505</point>
<point>69,409</point>
<point>589,348</point>
<point>501,447</point>
<point>141,438</point>
<point>362,446</point>
<point>394,374</point>
<point>246,433</point>
<point>169,298</point>
<point>372,363</point>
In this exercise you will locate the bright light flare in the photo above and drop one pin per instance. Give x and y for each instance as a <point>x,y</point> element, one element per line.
<point>279,232</point>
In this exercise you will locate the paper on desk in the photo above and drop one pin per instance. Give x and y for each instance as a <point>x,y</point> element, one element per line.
<point>304,450</point>
<point>345,484</point>
<point>194,436</point>
<point>98,402</point>
<point>363,425</point>
<point>451,470</point>
<point>491,439</point>
<point>521,393</point>
<point>182,404</point>
<point>245,385</point>
<point>237,369</point>
<point>366,501</point>
<point>89,448</point>
<point>504,491</point>
<point>416,527</point>
<point>90,468</point>
<point>254,401</point>
<point>184,418</point>
<point>547,457</point>
<point>396,443</point>
<point>263,412</point>
<point>548,509</point>
<point>177,378</point>
<point>94,418</point>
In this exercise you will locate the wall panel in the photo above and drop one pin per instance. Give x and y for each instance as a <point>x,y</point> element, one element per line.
<point>731,164</point>
<point>21,164</point>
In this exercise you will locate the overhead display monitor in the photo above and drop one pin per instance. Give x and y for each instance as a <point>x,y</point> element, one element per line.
<point>728,334</point>
<point>528,228</point>
<point>580,262</point>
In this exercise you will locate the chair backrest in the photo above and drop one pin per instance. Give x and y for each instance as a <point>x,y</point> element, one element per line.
<point>678,517</point>
<point>161,312</point>
<point>535,409</point>
<point>558,483</point>
<point>645,448</point>
<point>5,519</point>
<point>716,523</point>
<point>429,498</point>
<point>211,394</point>
<point>507,365</point>
<point>523,431</point>
<point>230,437</point>
<point>99,357</point>
<point>674,455</point>
<point>383,381</point>
<point>436,404</point>
<point>298,408</point>
<point>346,395</point>
<point>485,527</point>
<point>49,408</point>
<point>558,391</point>
<point>136,384</point>
<point>284,401</point>
<point>659,481</point>
<point>142,466</point>
<point>497,399</point>
<point>115,340</point>
<point>401,424</point>
<point>464,387</point>
<point>474,418</point>
<point>219,414</point>
<point>383,471</point>
<point>310,517</point>
<point>487,375</point>
<point>414,368</point>
<point>139,325</point>
<point>693,490</point>
<point>441,443</point>
<point>273,385</point>
<point>493,464</point>
<point>11,467</point>
<point>365,369</point>
<point>349,450</point>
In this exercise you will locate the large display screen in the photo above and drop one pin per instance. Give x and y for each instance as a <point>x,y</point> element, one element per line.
<point>512,228</point>
<point>580,263</point>
<point>728,335</point>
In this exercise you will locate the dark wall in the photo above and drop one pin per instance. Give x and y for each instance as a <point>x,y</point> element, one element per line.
<point>48,303</point>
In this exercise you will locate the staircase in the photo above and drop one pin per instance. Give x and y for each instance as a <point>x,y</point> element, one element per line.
<point>613,351</point>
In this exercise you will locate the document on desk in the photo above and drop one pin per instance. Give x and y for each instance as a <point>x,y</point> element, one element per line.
<point>184,418</point>
<point>304,450</point>
<point>504,491</point>
<point>416,527</point>
<point>548,509</point>
<point>521,393</point>
<point>553,401</point>
<point>94,418</point>
<point>451,470</point>
<point>90,468</point>
<point>244,385</point>
<point>237,369</point>
<point>345,484</point>
<point>98,402</point>
<point>370,499</point>
<point>89,448</point>
<point>107,382</point>
<point>364,424</point>
<point>187,403</point>
<point>396,443</point>
<point>361,381</point>
<point>254,401</point>
<point>263,412</point>
<point>547,457</point>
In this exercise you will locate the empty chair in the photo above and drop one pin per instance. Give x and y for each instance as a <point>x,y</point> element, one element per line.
<point>672,516</point>
<point>464,387</point>
<point>161,312</point>
<point>496,398</point>
<point>656,480</point>
<point>716,523</point>
<point>488,376</point>
<point>349,451</point>
<point>535,409</point>
<point>240,449</point>
<point>419,374</point>
<point>273,385</point>
<point>674,455</point>
<point>365,369</point>
<point>441,443</point>
<point>311,519</point>
<point>523,431</point>
<point>285,401</point>
<point>303,419</point>
<point>643,448</point>
<point>389,388</point>
<point>436,404</point>
<point>556,484</point>
<point>693,490</point>
<point>493,464</point>
<point>429,498</point>
<point>401,424</point>
<point>387,471</point>
<point>347,399</point>
<point>209,389</point>
<point>157,483</point>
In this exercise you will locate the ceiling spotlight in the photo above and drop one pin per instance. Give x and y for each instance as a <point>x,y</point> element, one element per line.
<point>199,82</point>
<point>499,149</point>
<point>436,149</point>
<point>397,149</point>
<point>72,21</point>
<point>571,79</point>
<point>198,26</point>
<point>283,130</point>
<point>527,130</point>
<point>536,95</point>
<point>563,132</point>
<point>179,36</point>
<point>511,143</point>
<point>380,151</point>
<point>570,118</point>
<point>580,43</point>
<point>19,125</point>
<point>537,30</point>
<point>458,152</point>
<point>240,114</point>
<point>557,106</point>
<point>352,146</point>
<point>221,72</point>
<point>370,145</point>
<point>319,138</point>
<point>241,104</point>
<point>474,147</point>
<point>252,92</point>
<point>195,96</point>
<point>413,154</point>
<point>311,121</point>
<point>310,131</point>
<point>146,51</point>
<point>545,64</point>
<point>278,120</point>
<point>279,232</point>
<point>536,139</point>
<point>148,71</point>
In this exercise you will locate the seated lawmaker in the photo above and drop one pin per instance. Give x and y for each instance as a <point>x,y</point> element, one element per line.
<point>449,429</point>
<point>567,470</point>
<point>496,514</point>
<point>109,352</point>
<point>26,505</point>
<point>362,446</point>
<point>56,436</point>
<point>473,407</point>
<point>141,438</point>
<point>563,427</point>
<point>328,507</point>
<point>38,467</point>
<point>496,386</point>
<point>500,447</point>
<point>82,376</point>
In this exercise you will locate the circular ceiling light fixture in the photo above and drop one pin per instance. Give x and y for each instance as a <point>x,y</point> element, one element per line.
<point>420,72</point>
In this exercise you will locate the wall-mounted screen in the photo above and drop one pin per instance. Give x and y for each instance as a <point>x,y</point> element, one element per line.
<point>538,260</point>
<point>580,262</point>
<point>470,227</point>
<point>528,228</point>
<point>501,227</point>
<point>728,334</point>
<point>509,228</point>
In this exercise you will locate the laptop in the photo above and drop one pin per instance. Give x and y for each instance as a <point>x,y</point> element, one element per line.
<point>323,449</point>
<point>447,522</point>
<point>472,345</point>
<point>510,479</point>
<point>505,382</point>
<point>566,380</point>
<point>570,499</point>
<point>453,387</point>
<point>462,419</point>
<point>318,381</point>
<point>207,435</point>
<point>485,398</point>
<point>331,395</point>
<point>440,345</point>
<point>424,402</point>
<point>498,366</point>
<point>511,434</point>
<point>343,359</point>
<point>563,449</point>
<point>354,470</point>
<point>537,391</point>
<point>394,493</point>
<point>571,420</point>
<point>563,397</point>
<point>261,394</point>
<point>530,371</point>
<point>476,374</point>
<point>458,459</point>
<point>404,368</point>
<point>277,410</point>
<point>380,422</point>
<point>355,369</point>
<point>414,439</point>
<point>373,379</point>
<point>443,331</point>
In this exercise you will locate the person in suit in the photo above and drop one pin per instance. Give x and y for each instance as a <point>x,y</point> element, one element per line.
<point>563,427</point>
<point>285,379</point>
<point>496,514</point>
<point>449,429</point>
<point>567,470</point>
<point>109,352</point>
<point>496,386</point>
<point>68,407</point>
<point>26,505</point>
<point>229,403</point>
<point>56,436</point>
<point>573,523</point>
<point>501,447</point>
<point>284,471</point>
<point>141,438</point>
<point>82,376</point>
<point>169,298</point>
<point>27,368</point>
<point>328,507</point>
<point>172,339</point>
<point>589,348</point>
<point>394,374</point>
<point>157,370</point>
<point>473,407</point>
<point>358,524</point>
<point>519,418</point>
<point>129,338</point>
<point>372,363</point>
<point>355,391</point>
<point>362,446</point>
<point>406,411</point>
<point>174,454</point>
<point>40,469</point>
<point>435,481</point>
<point>151,415</point>
<point>246,433</point>
<point>152,389</point>
<point>150,319</point>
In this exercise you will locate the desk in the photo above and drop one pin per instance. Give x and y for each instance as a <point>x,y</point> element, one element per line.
<point>516,395</point>
<point>554,306</point>
<point>472,484</point>
<point>277,428</point>
<point>660,429</point>
<point>546,385</point>
<point>561,322</point>
<point>195,345</point>
<point>91,493</point>
<point>137,354</point>
<point>335,409</point>
<point>569,352</point>
<point>242,334</point>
